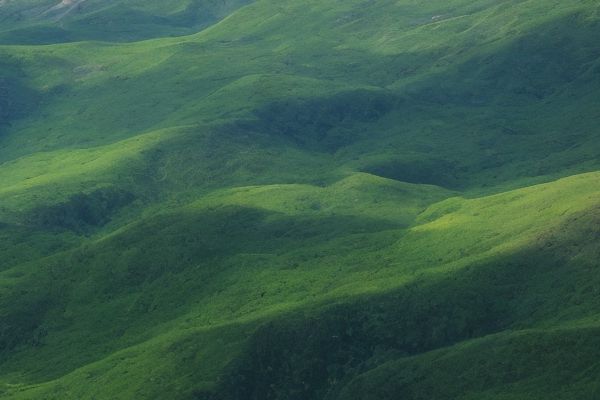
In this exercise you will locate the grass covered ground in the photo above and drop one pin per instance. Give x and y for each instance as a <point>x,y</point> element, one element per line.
<point>299,200</point>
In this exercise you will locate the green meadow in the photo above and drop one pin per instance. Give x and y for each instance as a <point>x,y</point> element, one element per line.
<point>299,200</point>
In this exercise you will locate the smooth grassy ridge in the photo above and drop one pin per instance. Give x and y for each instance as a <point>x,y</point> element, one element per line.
<point>254,270</point>
<point>97,94</point>
<point>305,200</point>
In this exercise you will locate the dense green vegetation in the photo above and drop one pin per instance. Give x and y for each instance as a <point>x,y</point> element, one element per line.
<point>293,200</point>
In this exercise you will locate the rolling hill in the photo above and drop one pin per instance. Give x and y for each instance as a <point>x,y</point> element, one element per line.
<point>344,200</point>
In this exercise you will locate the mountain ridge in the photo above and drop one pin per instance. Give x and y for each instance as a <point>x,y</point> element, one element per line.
<point>301,200</point>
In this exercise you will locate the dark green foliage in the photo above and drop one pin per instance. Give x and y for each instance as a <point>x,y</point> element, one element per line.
<point>299,200</point>
<point>36,35</point>
<point>431,172</point>
<point>314,355</point>
<point>81,211</point>
<point>327,123</point>
<point>533,67</point>
<point>16,99</point>
<point>23,326</point>
<point>531,364</point>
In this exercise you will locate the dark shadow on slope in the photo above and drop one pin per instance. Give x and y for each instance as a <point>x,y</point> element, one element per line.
<point>23,323</point>
<point>529,364</point>
<point>483,139</point>
<point>493,112</point>
<point>427,171</point>
<point>326,123</point>
<point>533,67</point>
<point>158,269</point>
<point>505,114</point>
<point>314,354</point>
<point>82,211</point>
<point>17,100</point>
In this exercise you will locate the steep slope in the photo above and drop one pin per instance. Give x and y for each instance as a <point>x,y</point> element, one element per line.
<point>305,200</point>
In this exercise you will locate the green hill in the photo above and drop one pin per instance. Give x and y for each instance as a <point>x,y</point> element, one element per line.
<point>47,21</point>
<point>217,200</point>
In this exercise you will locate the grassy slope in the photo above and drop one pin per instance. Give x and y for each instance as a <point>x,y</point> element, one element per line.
<point>250,155</point>
<point>45,22</point>
<point>251,272</point>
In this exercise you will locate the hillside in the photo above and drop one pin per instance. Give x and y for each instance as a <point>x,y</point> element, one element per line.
<point>49,21</point>
<point>218,200</point>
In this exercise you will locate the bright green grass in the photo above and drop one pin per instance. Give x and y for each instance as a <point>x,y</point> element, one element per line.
<point>96,94</point>
<point>300,172</point>
<point>277,276</point>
